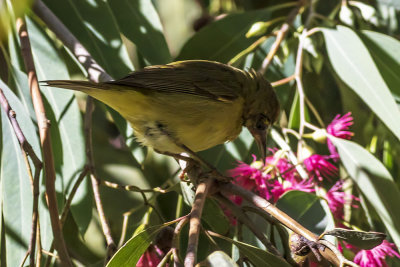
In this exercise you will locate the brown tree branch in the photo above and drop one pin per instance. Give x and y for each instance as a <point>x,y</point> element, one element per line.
<point>45,141</point>
<point>175,241</point>
<point>195,217</point>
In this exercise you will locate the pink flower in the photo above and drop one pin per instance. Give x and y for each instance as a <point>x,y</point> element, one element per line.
<point>319,167</point>
<point>295,183</point>
<point>376,257</point>
<point>263,178</point>
<point>337,198</point>
<point>339,128</point>
<point>151,258</point>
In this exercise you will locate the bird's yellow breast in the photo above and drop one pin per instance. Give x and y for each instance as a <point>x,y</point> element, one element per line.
<point>163,120</point>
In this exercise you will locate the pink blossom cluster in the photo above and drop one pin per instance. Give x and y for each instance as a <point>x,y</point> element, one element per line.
<point>277,175</point>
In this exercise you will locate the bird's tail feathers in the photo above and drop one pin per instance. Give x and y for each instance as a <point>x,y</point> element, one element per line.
<point>83,86</point>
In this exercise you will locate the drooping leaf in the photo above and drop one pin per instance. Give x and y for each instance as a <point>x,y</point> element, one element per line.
<point>374,181</point>
<point>67,127</point>
<point>256,256</point>
<point>360,239</point>
<point>93,23</point>
<point>385,51</point>
<point>139,22</point>
<point>130,252</point>
<point>223,39</point>
<point>305,208</point>
<point>355,66</point>
<point>16,187</point>
<point>215,217</point>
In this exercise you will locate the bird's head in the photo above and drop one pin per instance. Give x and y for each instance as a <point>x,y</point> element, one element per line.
<point>261,109</point>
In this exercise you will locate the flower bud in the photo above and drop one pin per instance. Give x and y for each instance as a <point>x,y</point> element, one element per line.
<point>346,15</point>
<point>257,28</point>
<point>319,136</point>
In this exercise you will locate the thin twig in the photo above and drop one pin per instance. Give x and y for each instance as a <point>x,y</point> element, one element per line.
<point>283,81</point>
<point>25,258</point>
<point>165,259</point>
<point>248,50</point>
<point>243,218</point>
<point>195,217</point>
<point>111,247</point>
<point>315,112</point>
<point>45,141</point>
<point>175,241</point>
<point>134,188</point>
<point>279,38</point>
<point>77,183</point>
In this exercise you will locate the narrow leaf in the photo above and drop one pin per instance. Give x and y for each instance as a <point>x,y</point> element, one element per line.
<point>16,188</point>
<point>374,181</point>
<point>133,249</point>
<point>385,51</point>
<point>139,22</point>
<point>360,239</point>
<point>306,208</point>
<point>224,38</point>
<point>93,23</point>
<point>355,66</point>
<point>256,256</point>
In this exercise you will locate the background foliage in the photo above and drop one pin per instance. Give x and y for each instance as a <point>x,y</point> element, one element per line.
<point>351,63</point>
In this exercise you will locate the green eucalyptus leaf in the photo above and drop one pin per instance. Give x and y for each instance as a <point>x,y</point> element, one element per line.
<point>257,256</point>
<point>133,249</point>
<point>139,22</point>
<point>221,40</point>
<point>215,217</point>
<point>307,209</point>
<point>374,181</point>
<point>360,239</point>
<point>93,23</point>
<point>355,66</point>
<point>385,51</point>
<point>16,187</point>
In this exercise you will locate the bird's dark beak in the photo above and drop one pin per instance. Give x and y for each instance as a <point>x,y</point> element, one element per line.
<point>261,140</point>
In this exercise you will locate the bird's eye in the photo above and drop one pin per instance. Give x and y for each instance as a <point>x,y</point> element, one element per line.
<point>261,124</point>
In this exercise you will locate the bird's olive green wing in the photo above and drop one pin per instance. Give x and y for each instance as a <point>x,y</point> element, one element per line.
<point>207,79</point>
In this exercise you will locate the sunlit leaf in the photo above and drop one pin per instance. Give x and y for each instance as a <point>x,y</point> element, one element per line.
<point>139,22</point>
<point>256,256</point>
<point>385,51</point>
<point>93,23</point>
<point>374,181</point>
<point>223,39</point>
<point>16,186</point>
<point>130,252</point>
<point>360,239</point>
<point>355,66</point>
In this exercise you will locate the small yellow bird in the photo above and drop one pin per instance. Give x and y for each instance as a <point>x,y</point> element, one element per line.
<point>188,105</point>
